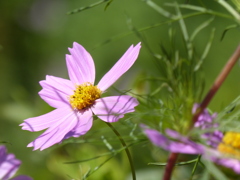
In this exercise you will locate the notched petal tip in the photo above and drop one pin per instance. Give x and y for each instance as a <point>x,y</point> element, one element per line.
<point>138,45</point>
<point>27,126</point>
<point>80,65</point>
<point>23,126</point>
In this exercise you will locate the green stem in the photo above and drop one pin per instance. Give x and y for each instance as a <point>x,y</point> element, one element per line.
<point>126,150</point>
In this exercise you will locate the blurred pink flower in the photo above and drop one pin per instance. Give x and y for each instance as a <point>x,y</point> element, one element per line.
<point>223,150</point>
<point>206,121</point>
<point>9,165</point>
<point>77,99</point>
<point>184,145</point>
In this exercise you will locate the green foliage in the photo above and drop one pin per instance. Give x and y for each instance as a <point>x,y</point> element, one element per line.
<point>181,42</point>
<point>214,171</point>
<point>229,117</point>
<point>180,82</point>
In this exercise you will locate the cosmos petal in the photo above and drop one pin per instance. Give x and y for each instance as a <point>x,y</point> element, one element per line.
<point>112,108</point>
<point>55,133</point>
<point>81,68</point>
<point>83,125</point>
<point>56,91</point>
<point>177,147</point>
<point>123,64</point>
<point>8,164</point>
<point>47,120</point>
<point>234,164</point>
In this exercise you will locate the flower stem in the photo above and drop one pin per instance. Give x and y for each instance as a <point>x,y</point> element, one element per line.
<point>126,150</point>
<point>169,168</point>
<point>218,82</point>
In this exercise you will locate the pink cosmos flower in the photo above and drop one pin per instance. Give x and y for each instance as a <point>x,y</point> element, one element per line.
<point>77,99</point>
<point>9,165</point>
<point>222,149</point>
<point>184,145</point>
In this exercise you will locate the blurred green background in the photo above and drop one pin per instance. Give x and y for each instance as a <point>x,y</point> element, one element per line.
<point>34,37</point>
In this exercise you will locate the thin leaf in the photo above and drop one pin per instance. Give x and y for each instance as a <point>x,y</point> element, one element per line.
<point>230,9</point>
<point>229,108</point>
<point>97,167</point>
<point>184,32</point>
<point>132,132</point>
<point>177,164</point>
<point>144,41</point>
<point>205,176</point>
<point>187,6</point>
<point>5,142</point>
<point>85,160</point>
<point>227,29</point>
<point>87,7</point>
<point>108,5</point>
<point>201,27</point>
<point>163,85</point>
<point>200,9</point>
<point>205,52</point>
<point>106,154</point>
<point>195,166</point>
<point>159,9</point>
<point>107,144</point>
<point>212,169</point>
<point>117,37</point>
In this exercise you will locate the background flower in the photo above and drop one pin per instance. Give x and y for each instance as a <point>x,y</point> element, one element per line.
<point>215,139</point>
<point>9,165</point>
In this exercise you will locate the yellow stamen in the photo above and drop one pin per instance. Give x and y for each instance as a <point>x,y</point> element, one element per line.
<point>84,96</point>
<point>230,144</point>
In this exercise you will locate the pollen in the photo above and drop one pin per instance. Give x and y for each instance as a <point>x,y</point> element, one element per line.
<point>230,144</point>
<point>84,96</point>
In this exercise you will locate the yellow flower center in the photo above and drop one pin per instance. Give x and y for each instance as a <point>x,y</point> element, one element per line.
<point>84,96</point>
<point>230,144</point>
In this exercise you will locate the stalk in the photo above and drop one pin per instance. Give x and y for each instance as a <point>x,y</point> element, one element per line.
<point>126,150</point>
